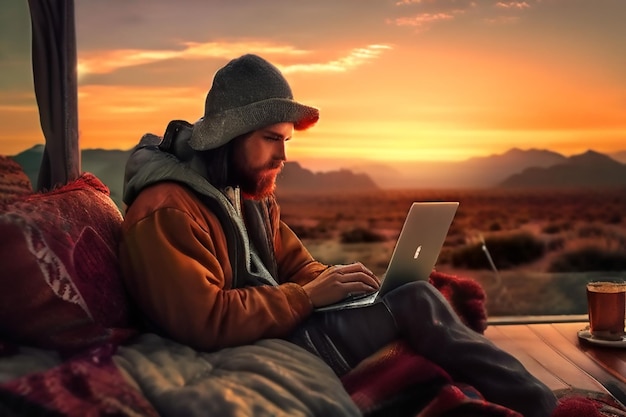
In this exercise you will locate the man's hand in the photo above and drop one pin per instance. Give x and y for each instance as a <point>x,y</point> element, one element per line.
<point>339,282</point>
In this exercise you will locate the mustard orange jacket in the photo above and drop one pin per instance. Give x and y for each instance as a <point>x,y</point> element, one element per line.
<point>176,254</point>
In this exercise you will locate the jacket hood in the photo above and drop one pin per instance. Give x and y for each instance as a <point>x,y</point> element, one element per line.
<point>157,159</point>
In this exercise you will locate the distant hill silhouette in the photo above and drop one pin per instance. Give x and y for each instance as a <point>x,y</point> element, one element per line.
<point>479,172</point>
<point>589,169</point>
<point>108,166</point>
<point>294,178</point>
<point>30,161</point>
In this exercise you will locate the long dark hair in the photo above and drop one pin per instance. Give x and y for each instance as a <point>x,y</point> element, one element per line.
<point>219,163</point>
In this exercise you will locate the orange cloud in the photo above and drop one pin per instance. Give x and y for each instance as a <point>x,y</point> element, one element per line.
<point>104,62</point>
<point>355,58</point>
<point>407,2</point>
<point>520,5</point>
<point>501,20</point>
<point>438,3</point>
<point>422,20</point>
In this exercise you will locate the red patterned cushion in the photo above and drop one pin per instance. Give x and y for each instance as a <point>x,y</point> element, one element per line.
<point>60,285</point>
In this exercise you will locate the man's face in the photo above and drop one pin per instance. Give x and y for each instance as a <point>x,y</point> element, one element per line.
<point>258,159</point>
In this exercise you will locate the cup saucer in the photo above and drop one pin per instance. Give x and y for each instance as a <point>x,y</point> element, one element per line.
<point>587,336</point>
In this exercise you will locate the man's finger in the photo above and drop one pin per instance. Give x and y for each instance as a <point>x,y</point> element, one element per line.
<point>355,267</point>
<point>360,277</point>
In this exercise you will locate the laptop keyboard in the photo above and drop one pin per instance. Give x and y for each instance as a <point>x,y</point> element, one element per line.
<point>358,296</point>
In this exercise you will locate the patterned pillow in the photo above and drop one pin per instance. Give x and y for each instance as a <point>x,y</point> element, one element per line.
<point>60,285</point>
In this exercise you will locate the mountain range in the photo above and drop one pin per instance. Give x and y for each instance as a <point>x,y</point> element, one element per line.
<point>589,169</point>
<point>515,168</point>
<point>497,169</point>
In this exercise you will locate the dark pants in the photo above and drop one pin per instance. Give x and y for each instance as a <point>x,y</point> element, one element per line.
<point>419,314</point>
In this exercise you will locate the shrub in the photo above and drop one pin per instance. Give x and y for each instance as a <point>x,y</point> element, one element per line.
<point>614,218</point>
<point>495,227</point>
<point>361,235</point>
<point>591,230</point>
<point>315,232</point>
<point>555,244</point>
<point>552,229</point>
<point>507,251</point>
<point>589,258</point>
<point>557,227</point>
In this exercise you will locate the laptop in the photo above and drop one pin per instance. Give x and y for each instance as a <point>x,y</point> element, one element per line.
<point>415,254</point>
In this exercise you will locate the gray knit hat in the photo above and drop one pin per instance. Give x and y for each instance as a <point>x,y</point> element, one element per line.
<point>247,94</point>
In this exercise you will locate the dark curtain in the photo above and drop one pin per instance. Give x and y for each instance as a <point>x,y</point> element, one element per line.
<point>54,73</point>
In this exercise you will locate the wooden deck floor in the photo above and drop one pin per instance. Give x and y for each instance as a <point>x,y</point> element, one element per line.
<point>554,354</point>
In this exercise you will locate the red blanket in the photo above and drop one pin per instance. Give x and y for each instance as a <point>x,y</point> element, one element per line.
<point>398,382</point>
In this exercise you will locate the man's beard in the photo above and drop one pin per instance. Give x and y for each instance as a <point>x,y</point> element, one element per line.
<point>259,183</point>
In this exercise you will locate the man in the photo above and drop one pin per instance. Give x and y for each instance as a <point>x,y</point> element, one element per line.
<point>210,264</point>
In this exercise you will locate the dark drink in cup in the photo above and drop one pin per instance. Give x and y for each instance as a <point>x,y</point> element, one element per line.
<point>607,307</point>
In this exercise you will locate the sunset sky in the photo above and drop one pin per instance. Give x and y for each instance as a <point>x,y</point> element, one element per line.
<point>394,80</point>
